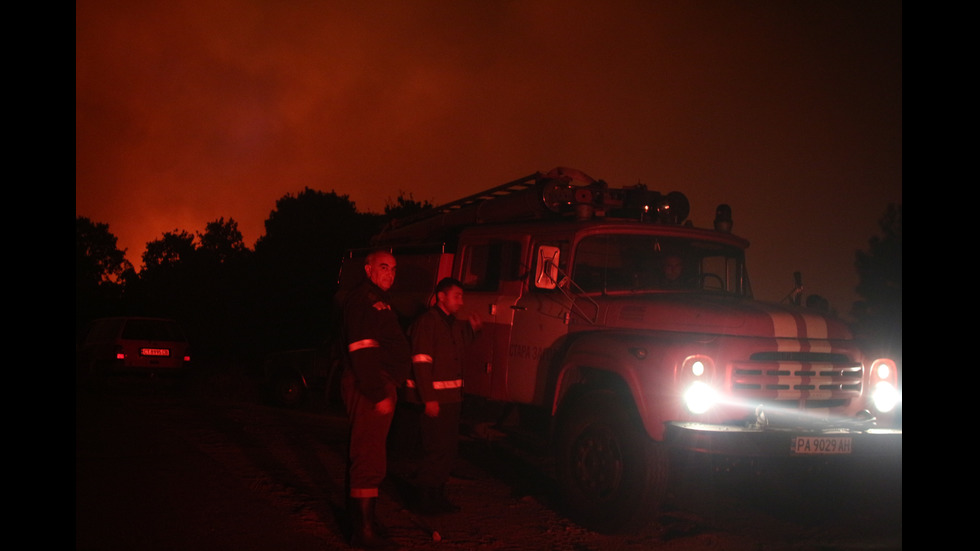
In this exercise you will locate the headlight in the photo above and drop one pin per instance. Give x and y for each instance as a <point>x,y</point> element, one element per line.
<point>697,368</point>
<point>699,397</point>
<point>694,378</point>
<point>884,385</point>
<point>885,397</point>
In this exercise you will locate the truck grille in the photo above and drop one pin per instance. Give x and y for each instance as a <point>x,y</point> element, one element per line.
<point>805,379</point>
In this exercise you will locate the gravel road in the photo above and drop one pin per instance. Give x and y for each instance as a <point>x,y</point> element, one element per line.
<point>199,467</point>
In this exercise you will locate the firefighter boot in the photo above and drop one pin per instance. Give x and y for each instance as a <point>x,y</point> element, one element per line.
<point>366,533</point>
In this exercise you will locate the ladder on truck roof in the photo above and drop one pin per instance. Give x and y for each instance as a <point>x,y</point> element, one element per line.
<point>503,190</point>
<point>519,185</point>
<point>521,199</point>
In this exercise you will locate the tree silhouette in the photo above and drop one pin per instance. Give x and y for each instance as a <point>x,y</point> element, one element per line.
<point>404,206</point>
<point>226,292</point>
<point>298,262</point>
<point>222,242</point>
<point>97,260</point>
<point>169,281</point>
<point>204,283</point>
<point>879,313</point>
<point>99,271</point>
<point>170,251</point>
<point>236,304</point>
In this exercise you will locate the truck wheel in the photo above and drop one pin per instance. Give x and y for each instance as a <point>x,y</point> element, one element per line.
<point>611,475</point>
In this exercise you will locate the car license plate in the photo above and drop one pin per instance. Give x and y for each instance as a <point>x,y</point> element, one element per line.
<point>154,351</point>
<point>817,445</point>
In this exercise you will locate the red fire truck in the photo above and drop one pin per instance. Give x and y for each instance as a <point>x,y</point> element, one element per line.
<point>625,334</point>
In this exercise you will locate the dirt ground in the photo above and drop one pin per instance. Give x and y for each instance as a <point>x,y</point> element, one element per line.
<point>209,466</point>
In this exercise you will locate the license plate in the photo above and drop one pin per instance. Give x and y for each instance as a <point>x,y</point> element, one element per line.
<point>154,351</point>
<point>821,445</point>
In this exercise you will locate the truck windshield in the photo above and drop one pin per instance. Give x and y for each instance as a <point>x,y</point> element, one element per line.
<point>638,263</point>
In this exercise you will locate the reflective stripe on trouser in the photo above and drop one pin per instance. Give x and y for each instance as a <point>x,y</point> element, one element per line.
<point>368,438</point>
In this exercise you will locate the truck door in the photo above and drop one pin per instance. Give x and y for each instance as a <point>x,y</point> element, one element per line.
<point>524,319</point>
<point>491,270</point>
<point>541,320</point>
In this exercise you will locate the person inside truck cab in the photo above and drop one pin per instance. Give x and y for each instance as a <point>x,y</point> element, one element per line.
<point>673,272</point>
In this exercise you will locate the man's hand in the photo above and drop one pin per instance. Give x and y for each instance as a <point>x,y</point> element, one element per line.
<point>475,322</point>
<point>432,409</point>
<point>384,407</point>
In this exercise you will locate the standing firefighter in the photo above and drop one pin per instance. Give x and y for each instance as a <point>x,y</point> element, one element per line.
<point>438,342</point>
<point>379,360</point>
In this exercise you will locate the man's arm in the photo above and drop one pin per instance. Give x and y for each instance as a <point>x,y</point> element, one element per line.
<point>364,350</point>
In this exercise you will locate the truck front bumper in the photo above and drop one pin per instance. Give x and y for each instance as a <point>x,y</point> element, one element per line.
<point>783,442</point>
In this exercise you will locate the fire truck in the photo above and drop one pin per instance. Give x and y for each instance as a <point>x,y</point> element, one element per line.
<point>623,334</point>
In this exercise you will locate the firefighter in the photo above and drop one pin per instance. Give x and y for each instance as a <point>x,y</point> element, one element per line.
<point>438,343</point>
<point>378,362</point>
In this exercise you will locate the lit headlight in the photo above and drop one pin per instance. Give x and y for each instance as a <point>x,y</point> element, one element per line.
<point>885,397</point>
<point>697,368</point>
<point>699,397</point>
<point>884,380</point>
<point>883,370</point>
<point>694,377</point>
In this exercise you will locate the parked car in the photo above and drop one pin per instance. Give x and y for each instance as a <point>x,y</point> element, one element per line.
<point>132,345</point>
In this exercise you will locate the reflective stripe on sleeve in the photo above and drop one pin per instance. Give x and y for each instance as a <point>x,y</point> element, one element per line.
<point>439,385</point>
<point>366,343</point>
<point>442,385</point>
<point>422,358</point>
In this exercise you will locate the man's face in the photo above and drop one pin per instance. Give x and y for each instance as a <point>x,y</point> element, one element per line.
<point>381,270</point>
<point>451,300</point>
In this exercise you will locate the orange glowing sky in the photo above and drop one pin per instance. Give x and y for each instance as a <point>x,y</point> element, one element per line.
<point>791,112</point>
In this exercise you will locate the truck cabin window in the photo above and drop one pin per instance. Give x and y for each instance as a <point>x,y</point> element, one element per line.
<point>639,263</point>
<point>485,265</point>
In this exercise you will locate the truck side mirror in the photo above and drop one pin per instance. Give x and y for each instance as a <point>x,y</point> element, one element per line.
<point>546,268</point>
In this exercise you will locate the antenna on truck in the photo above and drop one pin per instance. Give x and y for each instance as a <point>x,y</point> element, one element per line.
<point>796,295</point>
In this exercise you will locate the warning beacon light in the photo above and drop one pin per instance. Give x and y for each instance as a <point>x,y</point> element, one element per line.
<point>723,218</point>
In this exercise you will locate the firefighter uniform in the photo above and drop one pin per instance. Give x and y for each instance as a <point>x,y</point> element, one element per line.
<point>378,362</point>
<point>438,344</point>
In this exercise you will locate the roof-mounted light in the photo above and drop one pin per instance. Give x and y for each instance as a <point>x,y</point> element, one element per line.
<point>563,193</point>
<point>723,218</point>
<point>674,208</point>
<point>652,206</point>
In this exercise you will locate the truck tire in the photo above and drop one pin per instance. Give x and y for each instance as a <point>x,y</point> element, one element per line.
<point>611,475</point>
